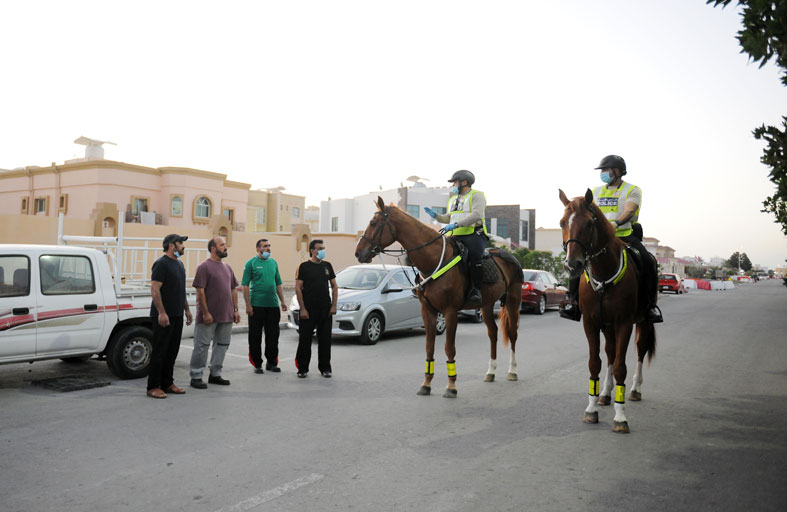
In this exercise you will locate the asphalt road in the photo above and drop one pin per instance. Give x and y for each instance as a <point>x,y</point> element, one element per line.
<point>710,433</point>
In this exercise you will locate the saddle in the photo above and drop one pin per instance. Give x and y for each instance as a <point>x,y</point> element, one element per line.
<point>490,272</point>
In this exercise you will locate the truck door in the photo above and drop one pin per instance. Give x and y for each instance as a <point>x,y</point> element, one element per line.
<point>17,307</point>
<point>71,312</point>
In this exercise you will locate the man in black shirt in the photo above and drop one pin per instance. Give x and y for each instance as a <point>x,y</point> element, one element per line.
<point>317,309</point>
<point>168,288</point>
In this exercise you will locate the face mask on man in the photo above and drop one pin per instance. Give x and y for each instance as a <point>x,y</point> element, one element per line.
<point>454,190</point>
<point>265,255</point>
<point>321,254</point>
<point>606,177</point>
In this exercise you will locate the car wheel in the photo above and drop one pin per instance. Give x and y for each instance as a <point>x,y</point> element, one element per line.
<point>440,327</point>
<point>372,329</point>
<point>542,306</point>
<point>128,353</point>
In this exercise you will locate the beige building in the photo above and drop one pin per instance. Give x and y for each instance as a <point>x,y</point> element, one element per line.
<point>271,210</point>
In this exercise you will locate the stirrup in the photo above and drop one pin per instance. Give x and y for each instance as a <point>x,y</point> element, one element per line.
<point>570,311</point>
<point>474,297</point>
<point>654,315</point>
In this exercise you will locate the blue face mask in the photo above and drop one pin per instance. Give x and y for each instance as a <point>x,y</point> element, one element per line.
<point>265,255</point>
<point>606,177</point>
<point>454,190</point>
<point>321,254</point>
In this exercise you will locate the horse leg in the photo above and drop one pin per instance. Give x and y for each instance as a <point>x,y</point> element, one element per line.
<point>594,365</point>
<point>450,351</point>
<point>646,345</point>
<point>623,334</point>
<point>510,324</point>
<point>491,331</point>
<point>430,323</point>
<point>609,349</point>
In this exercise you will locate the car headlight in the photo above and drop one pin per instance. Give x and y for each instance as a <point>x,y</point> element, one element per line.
<point>348,306</point>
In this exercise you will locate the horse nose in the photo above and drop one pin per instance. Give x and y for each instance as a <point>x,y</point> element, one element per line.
<point>572,266</point>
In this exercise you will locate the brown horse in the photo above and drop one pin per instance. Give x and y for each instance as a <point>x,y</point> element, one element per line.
<point>609,300</point>
<point>429,252</point>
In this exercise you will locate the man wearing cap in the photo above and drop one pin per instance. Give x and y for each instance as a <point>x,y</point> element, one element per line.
<point>168,288</point>
<point>466,222</point>
<point>620,202</point>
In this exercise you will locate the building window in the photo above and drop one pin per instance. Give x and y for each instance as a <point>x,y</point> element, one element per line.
<point>202,208</point>
<point>176,206</point>
<point>62,205</point>
<point>488,223</point>
<point>334,224</point>
<point>502,228</point>
<point>296,212</point>
<point>24,205</point>
<point>525,231</point>
<point>439,209</point>
<point>412,210</point>
<point>260,215</point>
<point>138,205</point>
<point>42,205</point>
<point>229,212</point>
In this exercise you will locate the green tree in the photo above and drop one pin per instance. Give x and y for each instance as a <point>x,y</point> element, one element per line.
<point>541,260</point>
<point>696,272</point>
<point>745,263</point>
<point>764,36</point>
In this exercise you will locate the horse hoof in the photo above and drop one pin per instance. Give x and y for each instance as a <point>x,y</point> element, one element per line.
<point>604,400</point>
<point>635,396</point>
<point>591,417</point>
<point>489,377</point>
<point>512,376</point>
<point>621,427</point>
<point>450,393</point>
<point>425,390</point>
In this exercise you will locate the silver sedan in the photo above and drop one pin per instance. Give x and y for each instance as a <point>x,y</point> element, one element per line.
<point>373,300</point>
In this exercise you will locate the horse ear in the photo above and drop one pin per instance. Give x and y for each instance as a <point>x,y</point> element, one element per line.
<point>589,196</point>
<point>563,197</point>
<point>380,203</point>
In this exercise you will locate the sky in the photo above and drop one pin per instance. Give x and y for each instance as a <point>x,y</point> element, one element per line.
<point>338,98</point>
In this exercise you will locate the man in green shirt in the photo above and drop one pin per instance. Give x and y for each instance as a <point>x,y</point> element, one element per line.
<point>261,286</point>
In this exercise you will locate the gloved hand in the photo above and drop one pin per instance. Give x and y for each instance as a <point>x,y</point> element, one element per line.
<point>430,212</point>
<point>449,227</point>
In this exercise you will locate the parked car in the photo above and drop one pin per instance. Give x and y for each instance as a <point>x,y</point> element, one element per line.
<point>671,283</point>
<point>372,300</point>
<point>540,290</point>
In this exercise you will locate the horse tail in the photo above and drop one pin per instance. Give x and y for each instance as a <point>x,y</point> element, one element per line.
<point>646,340</point>
<point>505,320</point>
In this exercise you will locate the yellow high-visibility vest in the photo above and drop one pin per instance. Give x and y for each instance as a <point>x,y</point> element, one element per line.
<point>464,209</point>
<point>612,201</point>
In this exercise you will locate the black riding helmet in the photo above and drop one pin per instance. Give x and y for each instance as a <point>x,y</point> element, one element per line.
<point>463,176</point>
<point>613,162</point>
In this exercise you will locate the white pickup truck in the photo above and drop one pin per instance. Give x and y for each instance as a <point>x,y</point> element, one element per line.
<point>61,302</point>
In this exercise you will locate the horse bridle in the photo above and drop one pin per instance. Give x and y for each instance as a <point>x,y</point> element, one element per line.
<point>378,235</point>
<point>587,250</point>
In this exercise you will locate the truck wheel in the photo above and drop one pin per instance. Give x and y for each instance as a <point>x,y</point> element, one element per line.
<point>128,353</point>
<point>372,329</point>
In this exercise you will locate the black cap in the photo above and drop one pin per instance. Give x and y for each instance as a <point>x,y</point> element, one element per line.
<point>613,162</point>
<point>171,239</point>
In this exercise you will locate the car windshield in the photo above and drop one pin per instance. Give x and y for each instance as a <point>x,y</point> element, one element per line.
<point>359,278</point>
<point>530,276</point>
<point>664,277</point>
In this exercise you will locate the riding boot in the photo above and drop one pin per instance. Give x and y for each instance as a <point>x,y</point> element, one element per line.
<point>476,278</point>
<point>654,313</point>
<point>570,308</point>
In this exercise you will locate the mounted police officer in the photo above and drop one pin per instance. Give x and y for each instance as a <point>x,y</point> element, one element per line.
<point>465,220</point>
<point>620,202</point>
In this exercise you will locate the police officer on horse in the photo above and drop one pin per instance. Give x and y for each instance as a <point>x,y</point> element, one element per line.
<point>465,220</point>
<point>620,202</point>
